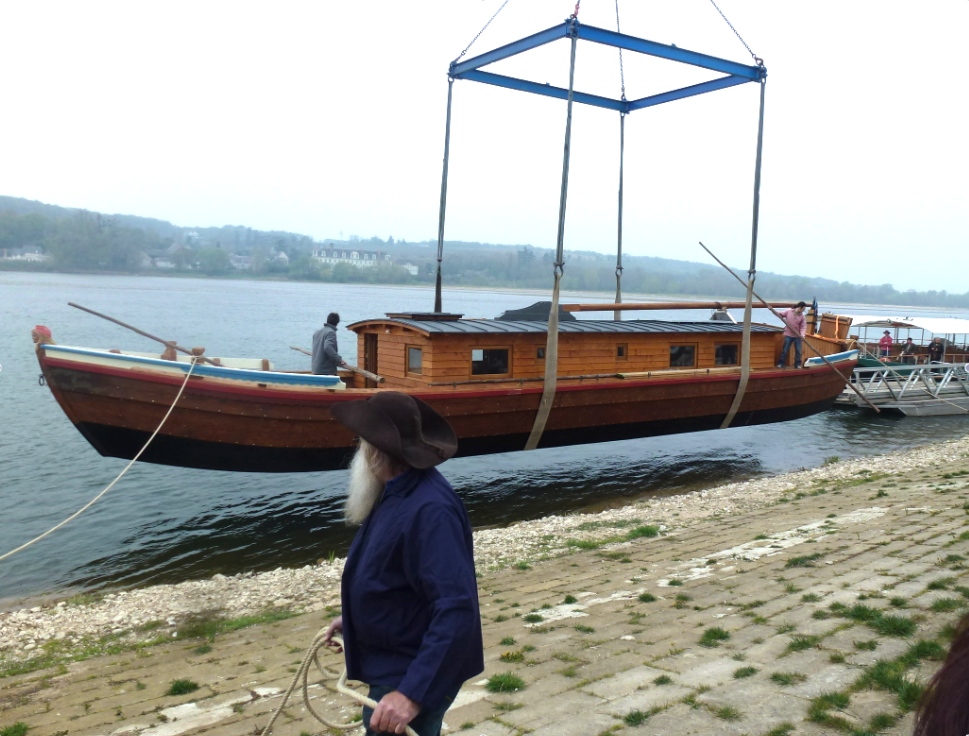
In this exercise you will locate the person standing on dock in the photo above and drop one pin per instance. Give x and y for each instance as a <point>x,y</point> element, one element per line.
<point>936,350</point>
<point>326,359</point>
<point>885,345</point>
<point>794,328</point>
<point>410,623</point>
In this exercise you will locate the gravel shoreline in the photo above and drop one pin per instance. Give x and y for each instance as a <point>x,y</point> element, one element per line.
<point>150,613</point>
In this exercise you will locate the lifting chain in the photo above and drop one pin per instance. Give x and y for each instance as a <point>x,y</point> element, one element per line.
<point>461,55</point>
<point>757,59</point>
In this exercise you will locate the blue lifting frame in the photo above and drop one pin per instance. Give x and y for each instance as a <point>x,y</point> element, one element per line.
<point>571,28</point>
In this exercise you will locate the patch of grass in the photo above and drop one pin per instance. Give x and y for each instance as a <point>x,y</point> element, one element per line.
<point>522,565</point>
<point>663,680</point>
<point>894,626</point>
<point>505,682</point>
<point>744,672</point>
<point>508,641</point>
<point>713,636</point>
<point>786,679</point>
<point>810,598</point>
<point>800,643</point>
<point>836,658</point>
<point>18,729</point>
<point>882,721</point>
<point>512,657</point>
<point>636,717</point>
<point>208,624</point>
<point>641,532</point>
<point>804,560</point>
<point>203,649</point>
<point>674,582</point>
<point>898,602</point>
<point>782,729</point>
<point>532,618</point>
<point>582,629</point>
<point>570,599</point>
<point>944,605</point>
<point>182,687</point>
<point>940,584</point>
<point>867,646</point>
<point>508,706</point>
<point>646,598</point>
<point>727,713</point>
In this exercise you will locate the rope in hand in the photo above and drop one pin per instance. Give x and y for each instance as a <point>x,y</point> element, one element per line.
<point>120,475</point>
<point>302,677</point>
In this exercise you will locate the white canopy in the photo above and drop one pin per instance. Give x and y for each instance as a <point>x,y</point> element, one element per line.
<point>935,325</point>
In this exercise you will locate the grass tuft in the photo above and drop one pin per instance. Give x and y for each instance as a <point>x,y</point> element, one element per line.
<point>505,682</point>
<point>713,636</point>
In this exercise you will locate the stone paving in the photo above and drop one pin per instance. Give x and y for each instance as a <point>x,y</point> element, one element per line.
<point>764,622</point>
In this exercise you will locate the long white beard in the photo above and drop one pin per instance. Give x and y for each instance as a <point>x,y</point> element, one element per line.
<point>364,488</point>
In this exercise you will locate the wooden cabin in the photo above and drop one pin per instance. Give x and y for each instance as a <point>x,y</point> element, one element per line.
<point>432,349</point>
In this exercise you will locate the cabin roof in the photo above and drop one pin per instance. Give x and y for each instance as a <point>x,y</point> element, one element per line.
<point>517,327</point>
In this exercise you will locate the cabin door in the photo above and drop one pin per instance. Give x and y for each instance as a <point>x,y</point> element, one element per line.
<point>370,357</point>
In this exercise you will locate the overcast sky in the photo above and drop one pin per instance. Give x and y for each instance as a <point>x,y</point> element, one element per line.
<point>327,119</point>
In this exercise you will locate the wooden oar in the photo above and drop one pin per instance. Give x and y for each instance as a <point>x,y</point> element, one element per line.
<point>773,311</point>
<point>352,369</point>
<point>168,343</point>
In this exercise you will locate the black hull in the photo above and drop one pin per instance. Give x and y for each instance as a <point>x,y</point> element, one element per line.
<point>165,450</point>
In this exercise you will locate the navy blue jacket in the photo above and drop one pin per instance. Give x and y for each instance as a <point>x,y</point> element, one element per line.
<point>410,599</point>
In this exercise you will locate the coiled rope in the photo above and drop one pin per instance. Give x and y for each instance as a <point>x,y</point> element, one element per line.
<point>302,677</point>
<point>90,503</point>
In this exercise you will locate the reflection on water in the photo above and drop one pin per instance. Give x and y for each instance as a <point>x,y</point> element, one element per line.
<point>170,524</point>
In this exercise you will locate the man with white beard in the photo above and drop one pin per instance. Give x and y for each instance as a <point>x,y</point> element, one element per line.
<point>410,620</point>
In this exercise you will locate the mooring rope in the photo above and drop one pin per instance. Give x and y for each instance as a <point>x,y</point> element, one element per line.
<point>90,503</point>
<point>302,675</point>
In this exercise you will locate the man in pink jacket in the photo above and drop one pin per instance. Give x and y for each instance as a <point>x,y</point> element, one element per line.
<point>795,325</point>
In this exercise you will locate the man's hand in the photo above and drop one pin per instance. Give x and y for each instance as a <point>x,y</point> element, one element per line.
<point>335,629</point>
<point>394,711</point>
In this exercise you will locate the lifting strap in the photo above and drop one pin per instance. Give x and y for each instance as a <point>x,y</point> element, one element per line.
<point>752,271</point>
<point>552,340</point>
<point>617,315</point>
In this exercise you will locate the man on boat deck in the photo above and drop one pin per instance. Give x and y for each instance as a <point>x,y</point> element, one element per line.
<point>326,359</point>
<point>410,621</point>
<point>907,353</point>
<point>885,345</point>
<point>795,325</point>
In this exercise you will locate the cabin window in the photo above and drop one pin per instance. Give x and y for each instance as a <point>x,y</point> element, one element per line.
<point>489,362</point>
<point>415,360</point>
<point>622,351</point>
<point>726,354</point>
<point>682,356</point>
<point>540,353</point>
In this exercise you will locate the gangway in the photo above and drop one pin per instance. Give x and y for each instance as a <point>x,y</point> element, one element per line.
<point>933,389</point>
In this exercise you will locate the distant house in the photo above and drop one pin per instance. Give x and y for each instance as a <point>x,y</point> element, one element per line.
<point>353,256</point>
<point>158,259</point>
<point>242,263</point>
<point>31,253</point>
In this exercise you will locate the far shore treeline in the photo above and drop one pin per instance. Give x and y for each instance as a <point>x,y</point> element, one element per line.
<point>42,237</point>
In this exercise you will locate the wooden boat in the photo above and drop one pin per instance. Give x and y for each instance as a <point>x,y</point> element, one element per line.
<point>616,380</point>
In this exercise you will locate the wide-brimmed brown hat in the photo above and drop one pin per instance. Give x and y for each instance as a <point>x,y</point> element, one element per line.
<point>404,427</point>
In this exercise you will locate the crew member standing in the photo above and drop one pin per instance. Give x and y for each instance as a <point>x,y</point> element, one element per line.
<point>410,621</point>
<point>794,328</point>
<point>326,359</point>
<point>885,345</point>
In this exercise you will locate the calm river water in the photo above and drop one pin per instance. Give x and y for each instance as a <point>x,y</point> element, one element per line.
<point>162,524</point>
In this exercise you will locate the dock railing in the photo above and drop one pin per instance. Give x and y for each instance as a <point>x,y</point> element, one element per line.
<point>891,384</point>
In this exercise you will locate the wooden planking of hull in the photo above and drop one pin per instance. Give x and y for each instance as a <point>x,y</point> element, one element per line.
<point>266,421</point>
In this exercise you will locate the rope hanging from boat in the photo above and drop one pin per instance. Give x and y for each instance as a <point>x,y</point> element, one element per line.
<point>311,656</point>
<point>752,270</point>
<point>617,315</point>
<point>111,485</point>
<point>552,340</point>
